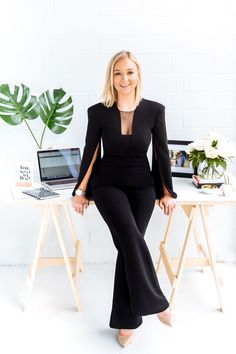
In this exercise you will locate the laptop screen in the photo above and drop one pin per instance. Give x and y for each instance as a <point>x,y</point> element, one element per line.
<point>59,164</point>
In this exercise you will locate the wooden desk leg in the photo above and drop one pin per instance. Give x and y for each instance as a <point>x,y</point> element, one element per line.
<point>211,255</point>
<point>65,256</point>
<point>200,250</point>
<point>191,213</point>
<point>166,238</point>
<point>44,237</point>
<point>31,276</point>
<point>78,260</point>
<point>42,242</point>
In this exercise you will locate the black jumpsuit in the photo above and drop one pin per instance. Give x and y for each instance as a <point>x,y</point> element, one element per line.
<point>124,189</point>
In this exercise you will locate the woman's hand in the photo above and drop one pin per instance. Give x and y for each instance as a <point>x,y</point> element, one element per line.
<point>168,203</point>
<point>79,202</point>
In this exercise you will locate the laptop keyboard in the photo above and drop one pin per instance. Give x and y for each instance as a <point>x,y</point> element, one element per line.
<point>63,181</point>
<point>41,193</point>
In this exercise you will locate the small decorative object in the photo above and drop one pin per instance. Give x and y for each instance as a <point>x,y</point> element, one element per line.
<point>229,186</point>
<point>209,155</point>
<point>227,189</point>
<point>24,175</point>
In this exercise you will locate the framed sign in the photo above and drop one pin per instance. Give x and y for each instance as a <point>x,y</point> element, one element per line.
<point>179,158</point>
<point>24,174</point>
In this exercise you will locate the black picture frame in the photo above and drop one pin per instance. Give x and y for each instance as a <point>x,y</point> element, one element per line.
<point>180,166</point>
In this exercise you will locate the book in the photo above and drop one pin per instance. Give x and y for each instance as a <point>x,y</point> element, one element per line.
<point>212,183</point>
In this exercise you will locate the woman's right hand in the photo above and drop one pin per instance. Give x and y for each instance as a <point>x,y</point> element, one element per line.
<point>79,202</point>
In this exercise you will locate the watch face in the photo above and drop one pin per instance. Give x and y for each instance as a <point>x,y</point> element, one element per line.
<point>79,192</point>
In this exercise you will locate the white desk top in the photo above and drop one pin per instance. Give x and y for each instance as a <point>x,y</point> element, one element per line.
<point>20,198</point>
<point>186,191</point>
<point>189,194</point>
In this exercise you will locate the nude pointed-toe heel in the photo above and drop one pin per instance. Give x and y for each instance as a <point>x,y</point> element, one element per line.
<point>166,317</point>
<point>125,340</point>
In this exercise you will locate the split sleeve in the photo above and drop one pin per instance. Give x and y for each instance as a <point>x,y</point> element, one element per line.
<point>161,169</point>
<point>92,140</point>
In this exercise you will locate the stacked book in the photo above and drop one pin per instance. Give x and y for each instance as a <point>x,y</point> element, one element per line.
<point>212,183</point>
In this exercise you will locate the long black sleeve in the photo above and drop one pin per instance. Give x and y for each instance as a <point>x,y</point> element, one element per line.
<point>161,169</point>
<point>93,137</point>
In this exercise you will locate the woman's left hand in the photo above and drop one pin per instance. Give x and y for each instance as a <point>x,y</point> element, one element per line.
<point>168,203</point>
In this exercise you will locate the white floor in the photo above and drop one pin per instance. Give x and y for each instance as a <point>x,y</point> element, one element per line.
<point>52,325</point>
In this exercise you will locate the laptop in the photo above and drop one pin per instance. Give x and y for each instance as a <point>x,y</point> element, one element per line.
<point>59,168</point>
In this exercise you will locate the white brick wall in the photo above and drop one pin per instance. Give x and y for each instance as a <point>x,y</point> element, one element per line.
<point>187,49</point>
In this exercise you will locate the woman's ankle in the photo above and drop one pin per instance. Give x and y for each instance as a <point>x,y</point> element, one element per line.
<point>126,332</point>
<point>164,313</point>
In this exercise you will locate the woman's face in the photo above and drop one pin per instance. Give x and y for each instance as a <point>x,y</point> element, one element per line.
<point>125,76</point>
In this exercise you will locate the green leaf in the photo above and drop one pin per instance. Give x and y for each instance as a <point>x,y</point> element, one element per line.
<point>56,114</point>
<point>222,163</point>
<point>15,108</point>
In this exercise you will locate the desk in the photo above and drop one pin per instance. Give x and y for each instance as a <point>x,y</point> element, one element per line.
<point>191,200</point>
<point>53,208</point>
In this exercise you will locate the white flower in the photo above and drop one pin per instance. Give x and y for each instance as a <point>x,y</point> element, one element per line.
<point>226,149</point>
<point>199,144</point>
<point>211,152</point>
<point>214,136</point>
<point>190,148</point>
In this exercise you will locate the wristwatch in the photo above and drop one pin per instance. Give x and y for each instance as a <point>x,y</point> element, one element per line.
<point>79,192</point>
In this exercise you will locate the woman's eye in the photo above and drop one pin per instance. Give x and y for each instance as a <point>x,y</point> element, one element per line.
<point>130,72</point>
<point>116,74</point>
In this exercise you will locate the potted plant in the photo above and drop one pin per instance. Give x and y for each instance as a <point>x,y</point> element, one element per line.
<point>210,154</point>
<point>19,106</point>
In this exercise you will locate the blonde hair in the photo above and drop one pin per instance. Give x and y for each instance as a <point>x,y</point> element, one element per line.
<point>109,95</point>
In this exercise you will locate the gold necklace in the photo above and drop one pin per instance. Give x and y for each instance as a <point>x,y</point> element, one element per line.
<point>124,114</point>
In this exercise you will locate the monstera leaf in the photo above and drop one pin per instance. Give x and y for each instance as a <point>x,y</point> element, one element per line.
<point>55,114</point>
<point>18,106</point>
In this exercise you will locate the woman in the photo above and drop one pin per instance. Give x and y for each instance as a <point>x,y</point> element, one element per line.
<point>124,188</point>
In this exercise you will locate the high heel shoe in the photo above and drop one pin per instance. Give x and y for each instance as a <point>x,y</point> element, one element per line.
<point>166,317</point>
<point>125,339</point>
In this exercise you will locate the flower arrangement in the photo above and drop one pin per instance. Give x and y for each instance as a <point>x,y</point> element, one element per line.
<point>212,151</point>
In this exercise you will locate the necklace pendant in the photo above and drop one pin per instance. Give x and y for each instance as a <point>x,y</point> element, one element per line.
<point>125,115</point>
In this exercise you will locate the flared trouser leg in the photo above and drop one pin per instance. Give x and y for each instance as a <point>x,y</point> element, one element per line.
<point>127,212</point>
